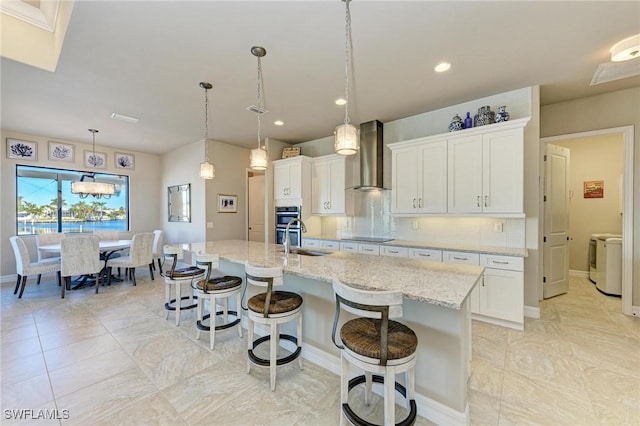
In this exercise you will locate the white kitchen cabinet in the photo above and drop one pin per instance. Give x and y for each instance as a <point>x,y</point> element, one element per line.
<point>426,254</point>
<point>320,243</point>
<point>394,251</point>
<point>372,249</point>
<point>331,245</point>
<point>501,292</point>
<point>349,247</point>
<point>461,257</point>
<point>419,178</point>
<point>486,172</point>
<point>330,175</point>
<point>311,242</point>
<point>291,180</point>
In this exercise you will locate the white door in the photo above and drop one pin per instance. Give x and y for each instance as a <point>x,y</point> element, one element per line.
<point>280,181</point>
<point>336,185</point>
<point>465,175</point>
<point>432,191</point>
<point>256,208</point>
<point>556,222</point>
<point>405,180</point>
<point>319,190</point>
<point>502,172</point>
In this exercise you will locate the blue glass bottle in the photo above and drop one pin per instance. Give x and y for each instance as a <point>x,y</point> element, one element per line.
<point>468,121</point>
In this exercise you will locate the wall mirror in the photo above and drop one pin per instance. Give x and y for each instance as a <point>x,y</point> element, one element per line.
<point>179,197</point>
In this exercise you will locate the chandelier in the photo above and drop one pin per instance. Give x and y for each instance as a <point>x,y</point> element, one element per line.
<point>207,170</point>
<point>258,158</point>
<point>346,134</point>
<point>84,188</point>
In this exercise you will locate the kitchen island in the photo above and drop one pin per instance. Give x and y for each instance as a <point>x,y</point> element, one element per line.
<point>435,306</point>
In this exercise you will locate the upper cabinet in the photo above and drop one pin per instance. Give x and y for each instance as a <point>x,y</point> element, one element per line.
<point>330,176</point>
<point>292,180</point>
<point>473,171</point>
<point>486,173</point>
<point>419,178</point>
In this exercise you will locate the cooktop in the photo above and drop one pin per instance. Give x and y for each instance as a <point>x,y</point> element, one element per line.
<point>368,239</point>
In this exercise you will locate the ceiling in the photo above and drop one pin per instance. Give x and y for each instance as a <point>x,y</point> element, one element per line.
<point>145,59</point>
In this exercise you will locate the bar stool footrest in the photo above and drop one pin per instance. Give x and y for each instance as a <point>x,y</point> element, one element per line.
<point>218,327</point>
<point>281,361</point>
<point>168,306</point>
<point>359,421</point>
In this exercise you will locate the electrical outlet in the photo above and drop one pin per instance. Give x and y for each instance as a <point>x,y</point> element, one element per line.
<point>209,225</point>
<point>498,227</point>
<point>415,224</point>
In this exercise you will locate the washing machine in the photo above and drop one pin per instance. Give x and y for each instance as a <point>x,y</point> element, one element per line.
<point>609,280</point>
<point>596,246</point>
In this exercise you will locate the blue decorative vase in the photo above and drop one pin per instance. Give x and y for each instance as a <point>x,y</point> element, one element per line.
<point>502,114</point>
<point>456,124</point>
<point>468,121</point>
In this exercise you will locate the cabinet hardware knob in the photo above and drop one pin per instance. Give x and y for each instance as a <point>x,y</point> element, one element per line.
<point>459,258</point>
<point>420,202</point>
<point>478,201</point>
<point>486,202</point>
<point>393,251</point>
<point>499,262</point>
<point>414,203</point>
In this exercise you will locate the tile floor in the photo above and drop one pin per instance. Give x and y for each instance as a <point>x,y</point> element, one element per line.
<point>113,359</point>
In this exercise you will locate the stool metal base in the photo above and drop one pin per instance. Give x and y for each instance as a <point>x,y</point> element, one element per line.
<point>168,306</point>
<point>201,326</point>
<point>281,361</point>
<point>357,420</point>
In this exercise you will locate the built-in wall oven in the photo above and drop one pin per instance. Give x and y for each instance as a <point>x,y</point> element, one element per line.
<point>283,216</point>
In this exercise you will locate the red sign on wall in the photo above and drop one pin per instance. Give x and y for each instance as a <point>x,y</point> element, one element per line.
<point>594,189</point>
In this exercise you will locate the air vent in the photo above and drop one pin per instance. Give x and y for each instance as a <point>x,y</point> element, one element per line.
<point>611,71</point>
<point>257,109</point>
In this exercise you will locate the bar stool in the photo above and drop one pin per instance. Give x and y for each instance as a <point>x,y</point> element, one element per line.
<point>379,346</point>
<point>175,278</point>
<point>212,289</point>
<point>272,308</point>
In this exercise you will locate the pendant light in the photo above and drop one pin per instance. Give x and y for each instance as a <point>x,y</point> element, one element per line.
<point>258,158</point>
<point>207,170</point>
<point>346,134</point>
<point>84,188</point>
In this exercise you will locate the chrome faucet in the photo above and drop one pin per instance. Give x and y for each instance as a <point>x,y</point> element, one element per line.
<point>285,240</point>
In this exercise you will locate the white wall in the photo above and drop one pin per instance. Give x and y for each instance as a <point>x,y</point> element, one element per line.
<point>606,111</point>
<point>144,187</point>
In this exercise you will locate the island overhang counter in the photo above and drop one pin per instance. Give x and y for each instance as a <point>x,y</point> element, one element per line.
<point>435,307</point>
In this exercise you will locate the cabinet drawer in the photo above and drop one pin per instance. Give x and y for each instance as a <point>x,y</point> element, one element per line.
<point>426,254</point>
<point>310,243</point>
<point>331,245</point>
<point>373,249</point>
<point>394,251</point>
<point>350,247</point>
<point>461,257</point>
<point>502,262</point>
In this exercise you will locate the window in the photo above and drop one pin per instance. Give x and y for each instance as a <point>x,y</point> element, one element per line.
<point>45,203</point>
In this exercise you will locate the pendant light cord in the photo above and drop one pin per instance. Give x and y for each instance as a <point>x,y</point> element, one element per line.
<point>347,53</point>
<point>206,124</point>
<point>259,98</point>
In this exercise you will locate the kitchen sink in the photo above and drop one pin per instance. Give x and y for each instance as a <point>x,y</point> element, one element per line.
<point>305,252</point>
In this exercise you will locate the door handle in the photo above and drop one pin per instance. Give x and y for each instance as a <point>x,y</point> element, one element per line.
<point>414,203</point>
<point>420,202</point>
<point>478,201</point>
<point>486,202</point>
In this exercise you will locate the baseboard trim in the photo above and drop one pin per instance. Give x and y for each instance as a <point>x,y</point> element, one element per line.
<point>578,274</point>
<point>531,312</point>
<point>8,278</point>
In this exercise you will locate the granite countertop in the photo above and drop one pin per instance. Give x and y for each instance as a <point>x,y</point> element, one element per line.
<point>502,251</point>
<point>443,284</point>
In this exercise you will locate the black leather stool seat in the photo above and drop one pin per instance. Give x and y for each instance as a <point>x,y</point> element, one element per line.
<point>281,302</point>
<point>219,283</point>
<point>184,272</point>
<point>362,336</point>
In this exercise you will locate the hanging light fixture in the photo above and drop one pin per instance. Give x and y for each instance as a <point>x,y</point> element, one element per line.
<point>91,187</point>
<point>207,170</point>
<point>258,158</point>
<point>346,134</point>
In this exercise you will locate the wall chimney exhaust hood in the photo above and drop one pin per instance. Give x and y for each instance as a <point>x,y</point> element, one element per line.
<point>371,149</point>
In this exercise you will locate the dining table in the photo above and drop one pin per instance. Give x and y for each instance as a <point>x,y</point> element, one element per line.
<point>108,248</point>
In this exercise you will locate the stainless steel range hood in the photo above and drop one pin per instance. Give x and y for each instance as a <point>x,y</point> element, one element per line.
<point>371,149</point>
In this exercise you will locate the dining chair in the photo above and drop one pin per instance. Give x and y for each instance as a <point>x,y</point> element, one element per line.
<point>107,235</point>
<point>48,238</point>
<point>157,252</point>
<point>140,254</point>
<point>24,266</point>
<point>80,256</point>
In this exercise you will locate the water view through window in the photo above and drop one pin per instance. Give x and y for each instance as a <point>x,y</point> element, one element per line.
<point>45,203</point>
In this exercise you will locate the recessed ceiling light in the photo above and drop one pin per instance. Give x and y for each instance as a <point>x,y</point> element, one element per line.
<point>626,49</point>
<point>442,67</point>
<point>125,118</point>
<point>279,123</point>
<point>341,102</point>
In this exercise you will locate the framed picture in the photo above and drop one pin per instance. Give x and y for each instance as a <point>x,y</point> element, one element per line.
<point>227,203</point>
<point>59,151</point>
<point>125,161</point>
<point>96,160</point>
<point>22,150</point>
<point>594,189</point>
<point>292,151</point>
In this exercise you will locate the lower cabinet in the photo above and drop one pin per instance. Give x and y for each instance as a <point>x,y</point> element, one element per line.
<point>394,251</point>
<point>317,243</point>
